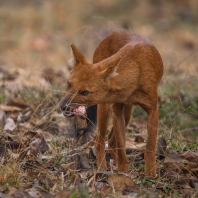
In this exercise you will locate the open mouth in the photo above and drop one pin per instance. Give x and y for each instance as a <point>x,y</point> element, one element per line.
<point>80,110</point>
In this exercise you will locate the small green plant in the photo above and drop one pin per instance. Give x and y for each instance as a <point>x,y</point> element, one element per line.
<point>79,192</point>
<point>193,145</point>
<point>1,97</point>
<point>11,174</point>
<point>143,180</point>
<point>167,151</point>
<point>73,195</point>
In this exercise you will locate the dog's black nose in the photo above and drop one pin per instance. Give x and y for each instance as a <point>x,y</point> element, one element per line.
<point>62,105</point>
<point>63,108</point>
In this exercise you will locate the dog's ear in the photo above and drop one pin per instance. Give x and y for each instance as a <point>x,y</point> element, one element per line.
<point>77,56</point>
<point>109,67</point>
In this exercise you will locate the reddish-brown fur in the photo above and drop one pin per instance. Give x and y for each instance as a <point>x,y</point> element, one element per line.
<point>126,71</point>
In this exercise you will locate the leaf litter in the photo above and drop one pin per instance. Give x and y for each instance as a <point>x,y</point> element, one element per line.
<point>40,156</point>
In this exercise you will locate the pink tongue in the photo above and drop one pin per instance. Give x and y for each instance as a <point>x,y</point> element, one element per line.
<point>80,110</point>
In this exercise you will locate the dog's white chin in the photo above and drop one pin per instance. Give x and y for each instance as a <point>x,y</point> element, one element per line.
<point>67,114</point>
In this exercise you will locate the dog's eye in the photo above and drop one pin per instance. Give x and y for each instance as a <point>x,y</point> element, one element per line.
<point>85,92</point>
<point>68,85</point>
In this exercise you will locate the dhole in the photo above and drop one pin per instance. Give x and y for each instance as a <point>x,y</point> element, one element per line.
<point>126,71</point>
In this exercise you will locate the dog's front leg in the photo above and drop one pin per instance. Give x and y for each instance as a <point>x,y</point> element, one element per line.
<point>103,114</point>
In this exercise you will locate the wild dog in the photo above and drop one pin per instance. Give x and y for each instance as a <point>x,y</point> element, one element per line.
<point>126,71</point>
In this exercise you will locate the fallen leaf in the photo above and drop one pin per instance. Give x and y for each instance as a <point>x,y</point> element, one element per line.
<point>47,136</point>
<point>45,194</point>
<point>81,162</point>
<point>102,187</point>
<point>39,145</point>
<point>26,186</point>
<point>189,155</point>
<point>11,190</point>
<point>119,181</point>
<point>9,108</point>
<point>68,166</point>
<point>32,175</point>
<point>11,137</point>
<point>173,155</point>
<point>194,183</point>
<point>33,192</point>
<point>131,144</point>
<point>19,193</point>
<point>175,166</point>
<point>193,168</point>
<point>31,134</point>
<point>20,103</point>
<point>183,185</point>
<point>12,154</point>
<point>170,174</point>
<point>3,188</point>
<point>2,195</point>
<point>51,127</point>
<point>65,194</point>
<point>83,174</point>
<point>131,191</point>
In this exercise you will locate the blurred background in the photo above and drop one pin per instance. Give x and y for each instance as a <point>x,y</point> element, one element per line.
<point>35,38</point>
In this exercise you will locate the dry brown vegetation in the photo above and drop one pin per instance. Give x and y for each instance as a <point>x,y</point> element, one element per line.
<point>37,156</point>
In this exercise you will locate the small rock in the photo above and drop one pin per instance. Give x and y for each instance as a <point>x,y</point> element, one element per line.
<point>10,125</point>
